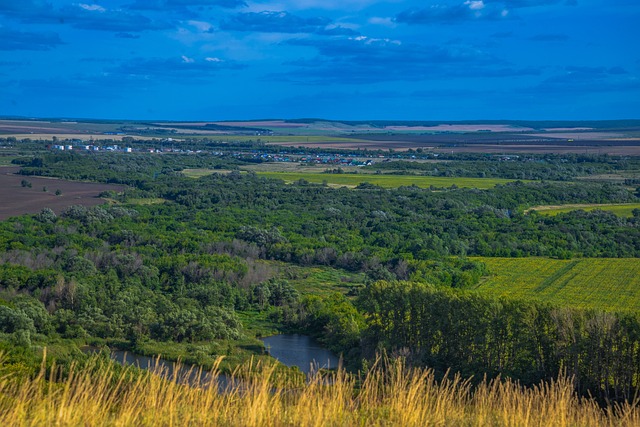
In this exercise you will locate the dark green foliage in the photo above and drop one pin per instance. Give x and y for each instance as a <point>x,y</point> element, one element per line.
<point>531,341</point>
<point>450,272</point>
<point>261,237</point>
<point>276,293</point>
<point>15,320</point>
<point>47,215</point>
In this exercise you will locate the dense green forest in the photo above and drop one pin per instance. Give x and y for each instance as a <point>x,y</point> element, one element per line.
<point>193,270</point>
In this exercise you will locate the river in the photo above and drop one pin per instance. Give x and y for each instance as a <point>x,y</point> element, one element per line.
<point>290,350</point>
<point>301,351</point>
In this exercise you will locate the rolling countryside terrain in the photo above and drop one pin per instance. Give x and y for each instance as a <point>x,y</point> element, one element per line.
<point>319,213</point>
<point>205,242</point>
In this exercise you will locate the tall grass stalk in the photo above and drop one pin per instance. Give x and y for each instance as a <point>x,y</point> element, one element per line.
<point>101,393</point>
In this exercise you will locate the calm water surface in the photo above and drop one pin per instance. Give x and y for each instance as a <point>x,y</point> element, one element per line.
<point>301,351</point>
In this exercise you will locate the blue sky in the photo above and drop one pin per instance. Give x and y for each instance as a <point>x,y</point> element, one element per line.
<point>348,59</point>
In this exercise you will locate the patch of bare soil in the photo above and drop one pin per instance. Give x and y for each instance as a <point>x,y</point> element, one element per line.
<point>15,199</point>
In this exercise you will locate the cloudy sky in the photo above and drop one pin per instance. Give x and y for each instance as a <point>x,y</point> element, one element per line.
<point>340,59</point>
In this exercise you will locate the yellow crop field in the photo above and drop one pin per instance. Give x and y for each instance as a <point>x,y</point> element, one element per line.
<point>604,283</point>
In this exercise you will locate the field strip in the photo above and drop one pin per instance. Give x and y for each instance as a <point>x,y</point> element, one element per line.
<point>385,181</point>
<point>200,172</point>
<point>621,209</point>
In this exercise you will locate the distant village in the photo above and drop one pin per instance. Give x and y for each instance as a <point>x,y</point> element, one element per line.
<point>297,155</point>
<point>255,155</point>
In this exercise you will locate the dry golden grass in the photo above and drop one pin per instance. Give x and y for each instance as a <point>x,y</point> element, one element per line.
<point>100,394</point>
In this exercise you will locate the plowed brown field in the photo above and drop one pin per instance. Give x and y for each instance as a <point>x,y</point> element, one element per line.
<point>17,200</point>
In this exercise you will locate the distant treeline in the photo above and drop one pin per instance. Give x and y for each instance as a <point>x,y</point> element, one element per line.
<point>536,124</point>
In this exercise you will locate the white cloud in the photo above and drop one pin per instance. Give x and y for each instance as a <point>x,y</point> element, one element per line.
<point>368,40</point>
<point>475,4</point>
<point>201,25</point>
<point>312,4</point>
<point>187,60</point>
<point>92,7</point>
<point>213,59</point>
<point>387,22</point>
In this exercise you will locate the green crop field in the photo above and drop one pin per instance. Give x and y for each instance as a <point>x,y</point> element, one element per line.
<point>386,181</point>
<point>623,209</point>
<point>199,173</point>
<point>604,283</point>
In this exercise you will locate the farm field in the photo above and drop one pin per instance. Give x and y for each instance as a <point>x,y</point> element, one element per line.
<point>623,209</point>
<point>295,167</point>
<point>18,200</point>
<point>385,181</point>
<point>199,173</point>
<point>296,140</point>
<point>600,283</point>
